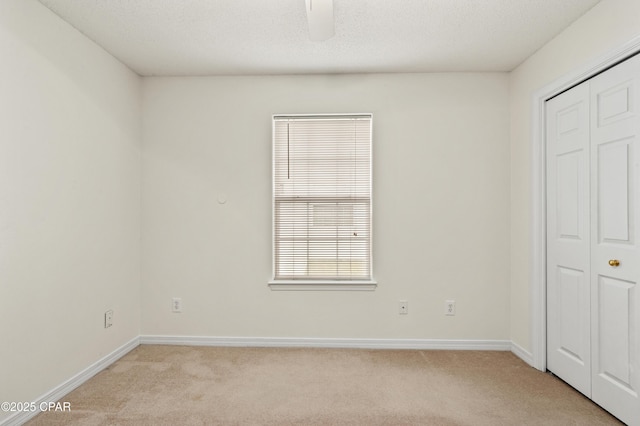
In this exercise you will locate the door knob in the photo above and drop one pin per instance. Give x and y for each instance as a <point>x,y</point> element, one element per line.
<point>614,262</point>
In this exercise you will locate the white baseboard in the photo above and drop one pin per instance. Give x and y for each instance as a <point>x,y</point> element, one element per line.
<point>292,342</point>
<point>60,391</point>
<point>523,354</point>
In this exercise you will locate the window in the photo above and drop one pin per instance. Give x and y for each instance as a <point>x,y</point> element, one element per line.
<point>322,198</point>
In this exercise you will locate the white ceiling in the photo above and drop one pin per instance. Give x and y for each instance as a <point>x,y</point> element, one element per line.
<point>213,37</point>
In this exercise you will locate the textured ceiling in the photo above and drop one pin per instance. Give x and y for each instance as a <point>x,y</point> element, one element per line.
<point>213,37</point>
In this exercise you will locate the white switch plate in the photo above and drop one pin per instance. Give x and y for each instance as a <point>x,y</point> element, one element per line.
<point>403,307</point>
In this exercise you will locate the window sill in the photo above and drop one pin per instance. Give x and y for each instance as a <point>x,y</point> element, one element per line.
<point>295,285</point>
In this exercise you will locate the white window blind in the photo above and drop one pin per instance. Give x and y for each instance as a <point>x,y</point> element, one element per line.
<point>322,197</point>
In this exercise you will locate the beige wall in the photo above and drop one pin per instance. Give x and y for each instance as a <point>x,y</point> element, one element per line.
<point>451,151</point>
<point>441,167</point>
<point>69,201</point>
<point>608,25</point>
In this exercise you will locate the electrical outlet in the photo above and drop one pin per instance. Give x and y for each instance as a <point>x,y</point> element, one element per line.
<point>403,307</point>
<point>108,318</point>
<point>449,307</point>
<point>176,305</point>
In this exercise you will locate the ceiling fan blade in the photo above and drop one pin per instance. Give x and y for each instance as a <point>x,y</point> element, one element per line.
<point>320,18</point>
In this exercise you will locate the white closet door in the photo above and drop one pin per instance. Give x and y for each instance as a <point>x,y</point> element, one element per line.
<point>615,235</point>
<point>568,241</point>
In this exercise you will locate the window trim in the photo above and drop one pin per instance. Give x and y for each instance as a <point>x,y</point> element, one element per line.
<point>369,284</point>
<point>322,285</point>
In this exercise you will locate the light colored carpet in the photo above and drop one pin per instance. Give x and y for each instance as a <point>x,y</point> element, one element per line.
<point>177,385</point>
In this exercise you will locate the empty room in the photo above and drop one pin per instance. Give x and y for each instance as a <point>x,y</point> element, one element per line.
<point>319,212</point>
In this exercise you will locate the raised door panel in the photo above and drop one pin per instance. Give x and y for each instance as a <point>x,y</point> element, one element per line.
<point>615,327</point>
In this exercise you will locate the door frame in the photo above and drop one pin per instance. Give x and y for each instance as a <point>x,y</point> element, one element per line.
<point>538,226</point>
